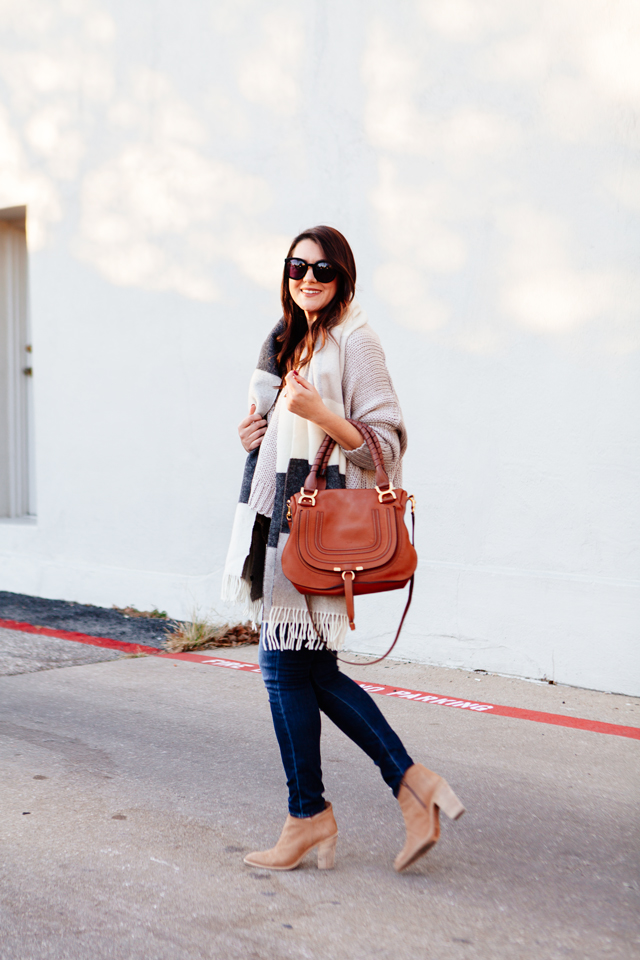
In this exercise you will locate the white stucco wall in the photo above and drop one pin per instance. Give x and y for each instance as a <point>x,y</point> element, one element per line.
<point>482,159</point>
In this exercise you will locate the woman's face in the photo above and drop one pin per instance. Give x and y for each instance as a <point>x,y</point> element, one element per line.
<point>309,294</point>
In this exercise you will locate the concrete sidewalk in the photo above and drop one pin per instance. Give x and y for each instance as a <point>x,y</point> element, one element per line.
<point>130,790</point>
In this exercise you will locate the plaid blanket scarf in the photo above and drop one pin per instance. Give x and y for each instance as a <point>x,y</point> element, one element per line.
<point>253,570</point>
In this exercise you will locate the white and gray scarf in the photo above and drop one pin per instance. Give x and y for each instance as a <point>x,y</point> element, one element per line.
<point>296,441</point>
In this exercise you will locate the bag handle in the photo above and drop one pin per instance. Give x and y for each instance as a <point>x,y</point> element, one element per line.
<point>316,480</point>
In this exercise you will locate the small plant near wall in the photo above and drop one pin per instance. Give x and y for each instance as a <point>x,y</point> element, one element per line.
<point>134,612</point>
<point>201,632</point>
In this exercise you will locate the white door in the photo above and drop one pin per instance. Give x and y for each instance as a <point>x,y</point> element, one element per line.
<point>17,494</point>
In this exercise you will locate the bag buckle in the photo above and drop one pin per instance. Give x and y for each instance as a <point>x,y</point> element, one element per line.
<point>386,493</point>
<point>307,497</point>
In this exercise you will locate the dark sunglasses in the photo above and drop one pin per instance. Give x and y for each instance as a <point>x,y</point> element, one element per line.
<point>296,269</point>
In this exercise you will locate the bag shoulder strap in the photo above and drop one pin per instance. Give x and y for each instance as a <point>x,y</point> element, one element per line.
<point>355,663</point>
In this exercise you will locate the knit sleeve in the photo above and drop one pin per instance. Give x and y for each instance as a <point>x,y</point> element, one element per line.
<point>369,396</point>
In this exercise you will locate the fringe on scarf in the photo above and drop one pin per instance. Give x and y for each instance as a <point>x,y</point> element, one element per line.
<point>237,590</point>
<point>289,628</point>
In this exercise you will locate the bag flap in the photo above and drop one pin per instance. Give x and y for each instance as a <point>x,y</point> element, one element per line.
<point>346,529</point>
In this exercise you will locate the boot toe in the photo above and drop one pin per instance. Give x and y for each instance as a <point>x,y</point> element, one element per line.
<point>406,857</point>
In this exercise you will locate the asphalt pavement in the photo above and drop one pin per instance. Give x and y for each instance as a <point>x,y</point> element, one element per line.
<point>83,618</point>
<point>131,788</point>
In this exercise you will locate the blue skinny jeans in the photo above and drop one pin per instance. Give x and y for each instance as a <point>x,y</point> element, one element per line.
<point>300,684</point>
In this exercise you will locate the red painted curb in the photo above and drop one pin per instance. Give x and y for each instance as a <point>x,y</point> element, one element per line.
<point>537,716</point>
<point>214,661</point>
<point>80,637</point>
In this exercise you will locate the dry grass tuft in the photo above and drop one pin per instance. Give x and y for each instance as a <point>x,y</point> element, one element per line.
<point>134,612</point>
<point>200,633</point>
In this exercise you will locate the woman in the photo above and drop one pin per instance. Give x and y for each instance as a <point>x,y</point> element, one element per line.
<point>327,365</point>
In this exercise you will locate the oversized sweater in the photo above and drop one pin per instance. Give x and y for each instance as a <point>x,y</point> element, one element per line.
<point>368,396</point>
<point>351,375</point>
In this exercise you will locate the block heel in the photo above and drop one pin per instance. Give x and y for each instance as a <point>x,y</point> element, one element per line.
<point>446,799</point>
<point>327,853</point>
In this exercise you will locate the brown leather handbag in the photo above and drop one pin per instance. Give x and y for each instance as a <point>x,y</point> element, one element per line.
<point>350,542</point>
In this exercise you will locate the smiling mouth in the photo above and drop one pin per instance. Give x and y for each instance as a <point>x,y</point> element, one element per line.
<point>310,292</point>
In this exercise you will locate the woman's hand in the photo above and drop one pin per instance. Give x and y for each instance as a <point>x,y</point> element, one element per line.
<point>302,398</point>
<point>252,429</point>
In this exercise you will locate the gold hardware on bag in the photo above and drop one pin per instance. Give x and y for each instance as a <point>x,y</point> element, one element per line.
<point>385,493</point>
<point>337,569</point>
<point>359,568</point>
<point>345,572</point>
<point>307,497</point>
<point>413,503</point>
<point>288,509</point>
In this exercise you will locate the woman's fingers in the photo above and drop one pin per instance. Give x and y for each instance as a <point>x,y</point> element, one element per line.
<point>251,434</point>
<point>250,420</point>
<point>259,430</point>
<point>297,388</point>
<point>295,381</point>
<point>302,398</point>
<point>252,444</point>
<point>252,429</point>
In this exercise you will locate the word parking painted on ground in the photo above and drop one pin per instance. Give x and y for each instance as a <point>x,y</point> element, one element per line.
<point>433,698</point>
<point>418,696</point>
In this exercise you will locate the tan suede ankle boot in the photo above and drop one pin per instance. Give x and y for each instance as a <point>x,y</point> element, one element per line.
<point>299,836</point>
<point>422,794</point>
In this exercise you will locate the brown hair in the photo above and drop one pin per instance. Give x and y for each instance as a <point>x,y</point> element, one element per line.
<point>298,339</point>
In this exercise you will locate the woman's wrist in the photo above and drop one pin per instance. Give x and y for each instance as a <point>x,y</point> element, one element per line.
<point>339,429</point>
